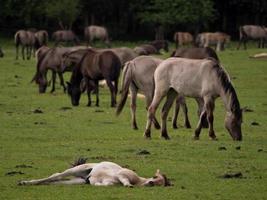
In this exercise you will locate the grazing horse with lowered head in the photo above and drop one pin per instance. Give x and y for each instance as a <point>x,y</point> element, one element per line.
<point>93,32</point>
<point>217,39</point>
<point>25,39</point>
<point>94,66</point>
<point>65,36</point>
<point>182,38</point>
<point>174,77</point>
<point>138,75</point>
<point>252,32</point>
<point>99,174</point>
<point>42,37</point>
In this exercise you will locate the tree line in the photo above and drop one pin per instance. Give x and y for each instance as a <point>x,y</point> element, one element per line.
<point>132,19</point>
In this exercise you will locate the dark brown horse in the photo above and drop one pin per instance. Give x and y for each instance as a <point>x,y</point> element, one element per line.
<point>95,66</point>
<point>25,39</point>
<point>65,36</point>
<point>42,37</point>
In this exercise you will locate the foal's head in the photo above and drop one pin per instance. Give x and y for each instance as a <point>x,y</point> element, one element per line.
<point>157,180</point>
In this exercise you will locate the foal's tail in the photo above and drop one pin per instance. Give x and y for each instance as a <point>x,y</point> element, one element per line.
<point>126,81</point>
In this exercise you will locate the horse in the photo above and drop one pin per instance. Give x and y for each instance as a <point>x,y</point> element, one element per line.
<point>125,54</point>
<point>174,77</point>
<point>50,59</point>
<point>152,48</point>
<point>94,66</point>
<point>93,32</point>
<point>160,44</point>
<point>182,38</point>
<point>67,36</point>
<point>253,32</point>
<point>25,39</point>
<point>42,37</point>
<point>138,76</point>
<point>219,39</point>
<point>1,53</point>
<point>99,174</point>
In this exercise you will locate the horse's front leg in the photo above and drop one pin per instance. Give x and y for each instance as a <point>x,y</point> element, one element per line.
<point>209,104</point>
<point>60,75</point>
<point>23,52</point>
<point>96,87</point>
<point>54,74</point>
<point>112,92</point>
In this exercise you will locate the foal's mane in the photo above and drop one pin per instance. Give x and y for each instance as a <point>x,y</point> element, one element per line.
<point>228,90</point>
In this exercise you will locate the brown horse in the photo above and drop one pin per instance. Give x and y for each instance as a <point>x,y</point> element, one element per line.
<point>65,36</point>
<point>217,39</point>
<point>174,77</point>
<point>252,32</point>
<point>42,37</point>
<point>25,39</point>
<point>95,66</point>
<point>93,32</point>
<point>182,38</point>
<point>152,48</point>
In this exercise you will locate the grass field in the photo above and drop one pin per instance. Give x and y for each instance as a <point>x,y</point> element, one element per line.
<point>35,145</point>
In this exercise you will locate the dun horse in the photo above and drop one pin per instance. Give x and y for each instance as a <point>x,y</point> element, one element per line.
<point>42,37</point>
<point>210,81</point>
<point>252,32</point>
<point>65,36</point>
<point>218,39</point>
<point>182,38</point>
<point>138,76</point>
<point>95,66</point>
<point>99,174</point>
<point>93,32</point>
<point>25,39</point>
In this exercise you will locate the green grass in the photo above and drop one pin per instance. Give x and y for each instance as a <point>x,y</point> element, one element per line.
<point>50,141</point>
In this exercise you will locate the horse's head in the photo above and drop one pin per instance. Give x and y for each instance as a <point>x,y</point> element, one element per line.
<point>157,180</point>
<point>75,91</point>
<point>233,125</point>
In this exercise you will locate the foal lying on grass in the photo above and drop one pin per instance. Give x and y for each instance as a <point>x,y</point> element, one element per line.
<point>100,174</point>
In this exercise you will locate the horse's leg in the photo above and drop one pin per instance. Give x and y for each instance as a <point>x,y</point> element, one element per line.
<point>112,92</point>
<point>22,51</point>
<point>200,103</point>
<point>97,92</point>
<point>60,75</point>
<point>175,113</point>
<point>185,111</point>
<point>29,52</point>
<point>164,112</point>
<point>54,75</point>
<point>133,91</point>
<point>149,97</point>
<point>89,88</point>
<point>209,105</point>
<point>202,117</point>
<point>73,181</point>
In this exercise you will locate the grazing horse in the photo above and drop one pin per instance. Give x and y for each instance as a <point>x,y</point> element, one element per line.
<point>93,32</point>
<point>160,44</point>
<point>174,77</point>
<point>42,37</point>
<point>138,75</point>
<point>25,39</point>
<point>125,54</point>
<point>50,59</point>
<point>1,53</point>
<point>217,39</point>
<point>94,66</point>
<point>182,38</point>
<point>100,174</point>
<point>152,48</point>
<point>66,36</point>
<point>252,32</point>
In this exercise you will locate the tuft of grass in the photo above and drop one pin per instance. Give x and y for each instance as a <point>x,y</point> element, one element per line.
<point>48,141</point>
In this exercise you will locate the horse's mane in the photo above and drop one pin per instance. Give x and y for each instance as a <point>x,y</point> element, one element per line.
<point>79,161</point>
<point>229,90</point>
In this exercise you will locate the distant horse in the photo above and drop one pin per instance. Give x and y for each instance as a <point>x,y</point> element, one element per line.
<point>138,75</point>
<point>152,48</point>
<point>66,36</point>
<point>93,32</point>
<point>252,32</point>
<point>160,44</point>
<point>182,38</point>
<point>25,39</point>
<point>95,66</point>
<point>1,53</point>
<point>50,59</point>
<point>217,39</point>
<point>174,77</point>
<point>100,174</point>
<point>42,37</point>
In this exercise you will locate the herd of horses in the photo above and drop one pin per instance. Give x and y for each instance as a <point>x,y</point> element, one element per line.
<point>194,72</point>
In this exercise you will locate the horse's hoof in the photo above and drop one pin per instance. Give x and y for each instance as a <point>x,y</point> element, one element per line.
<point>157,126</point>
<point>214,138</point>
<point>166,137</point>
<point>196,138</point>
<point>187,125</point>
<point>174,126</point>
<point>147,134</point>
<point>135,128</point>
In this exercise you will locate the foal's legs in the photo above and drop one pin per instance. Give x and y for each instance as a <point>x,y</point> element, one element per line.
<point>180,100</point>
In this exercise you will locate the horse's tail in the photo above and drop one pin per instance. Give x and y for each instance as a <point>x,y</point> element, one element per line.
<point>126,81</point>
<point>38,66</point>
<point>17,39</point>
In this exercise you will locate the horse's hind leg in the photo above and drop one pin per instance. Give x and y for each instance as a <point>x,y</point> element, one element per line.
<point>149,97</point>
<point>209,105</point>
<point>60,75</point>
<point>112,92</point>
<point>185,111</point>
<point>164,113</point>
<point>133,90</point>
<point>23,52</point>
<point>54,75</point>
<point>200,103</point>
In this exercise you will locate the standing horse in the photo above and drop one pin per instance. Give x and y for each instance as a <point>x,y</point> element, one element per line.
<point>93,32</point>
<point>25,39</point>
<point>174,77</point>
<point>100,174</point>
<point>42,37</point>
<point>152,48</point>
<point>138,75</point>
<point>218,39</point>
<point>160,44</point>
<point>252,32</point>
<point>95,66</point>
<point>182,38</point>
<point>66,36</point>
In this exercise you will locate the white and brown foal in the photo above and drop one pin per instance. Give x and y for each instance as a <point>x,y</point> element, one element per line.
<point>100,174</point>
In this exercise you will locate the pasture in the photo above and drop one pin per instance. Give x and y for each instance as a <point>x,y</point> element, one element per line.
<point>42,133</point>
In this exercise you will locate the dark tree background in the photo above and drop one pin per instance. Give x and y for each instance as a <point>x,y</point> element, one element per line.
<point>132,19</point>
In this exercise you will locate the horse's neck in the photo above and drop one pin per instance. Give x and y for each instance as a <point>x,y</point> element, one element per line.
<point>76,75</point>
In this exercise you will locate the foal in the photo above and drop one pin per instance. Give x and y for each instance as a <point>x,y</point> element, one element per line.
<point>100,174</point>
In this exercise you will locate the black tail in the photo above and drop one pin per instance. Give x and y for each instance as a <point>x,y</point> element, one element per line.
<point>126,81</point>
